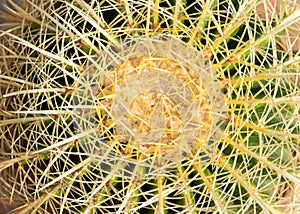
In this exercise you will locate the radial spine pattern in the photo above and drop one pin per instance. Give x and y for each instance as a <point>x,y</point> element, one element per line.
<point>163,106</point>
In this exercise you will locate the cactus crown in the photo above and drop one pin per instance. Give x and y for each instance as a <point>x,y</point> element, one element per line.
<point>155,101</point>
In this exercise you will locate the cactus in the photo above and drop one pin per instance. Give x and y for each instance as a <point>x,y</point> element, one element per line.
<point>165,106</point>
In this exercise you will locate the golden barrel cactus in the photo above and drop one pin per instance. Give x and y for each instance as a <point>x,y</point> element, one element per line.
<point>150,106</point>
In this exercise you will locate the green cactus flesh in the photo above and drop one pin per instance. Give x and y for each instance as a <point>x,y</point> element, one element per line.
<point>163,106</point>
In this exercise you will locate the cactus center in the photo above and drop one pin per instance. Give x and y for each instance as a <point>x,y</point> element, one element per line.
<point>156,104</point>
<point>146,104</point>
<point>154,117</point>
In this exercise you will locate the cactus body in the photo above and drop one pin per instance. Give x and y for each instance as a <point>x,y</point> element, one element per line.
<point>149,107</point>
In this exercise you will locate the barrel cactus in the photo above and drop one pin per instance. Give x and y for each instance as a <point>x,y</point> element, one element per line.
<point>150,106</point>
